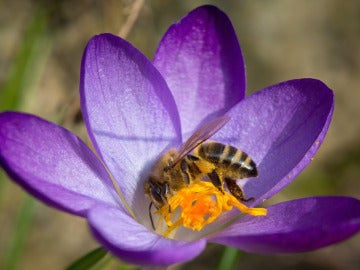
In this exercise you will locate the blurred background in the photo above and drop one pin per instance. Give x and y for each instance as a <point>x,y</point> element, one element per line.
<point>41,44</point>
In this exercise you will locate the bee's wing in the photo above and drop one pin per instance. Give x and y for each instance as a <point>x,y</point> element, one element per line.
<point>200,135</point>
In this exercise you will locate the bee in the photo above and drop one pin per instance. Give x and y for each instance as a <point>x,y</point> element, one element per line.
<point>199,159</point>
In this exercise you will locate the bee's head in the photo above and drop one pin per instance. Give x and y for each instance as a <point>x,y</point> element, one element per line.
<point>157,191</point>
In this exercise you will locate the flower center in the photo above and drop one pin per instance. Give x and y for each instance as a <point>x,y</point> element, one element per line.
<point>198,205</point>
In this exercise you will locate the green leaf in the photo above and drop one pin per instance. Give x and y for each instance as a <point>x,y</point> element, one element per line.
<point>88,260</point>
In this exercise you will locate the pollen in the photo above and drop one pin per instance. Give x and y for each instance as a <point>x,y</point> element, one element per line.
<point>200,204</point>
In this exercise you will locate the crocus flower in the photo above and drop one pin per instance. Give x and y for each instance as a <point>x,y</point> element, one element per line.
<point>135,110</point>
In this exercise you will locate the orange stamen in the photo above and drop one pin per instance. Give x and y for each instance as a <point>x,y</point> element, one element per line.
<point>200,204</point>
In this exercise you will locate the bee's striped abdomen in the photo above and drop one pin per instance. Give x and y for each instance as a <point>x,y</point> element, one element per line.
<point>229,158</point>
<point>212,152</point>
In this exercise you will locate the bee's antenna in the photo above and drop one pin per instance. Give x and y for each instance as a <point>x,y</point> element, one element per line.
<point>151,218</point>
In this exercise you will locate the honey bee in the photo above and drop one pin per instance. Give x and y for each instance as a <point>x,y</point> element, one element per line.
<point>199,160</point>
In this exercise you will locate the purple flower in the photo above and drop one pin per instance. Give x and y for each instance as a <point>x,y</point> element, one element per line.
<point>135,110</point>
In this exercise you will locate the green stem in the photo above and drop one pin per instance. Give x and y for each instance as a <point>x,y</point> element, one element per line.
<point>229,259</point>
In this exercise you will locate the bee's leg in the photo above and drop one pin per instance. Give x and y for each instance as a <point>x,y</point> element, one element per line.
<point>236,190</point>
<point>151,217</point>
<point>215,179</point>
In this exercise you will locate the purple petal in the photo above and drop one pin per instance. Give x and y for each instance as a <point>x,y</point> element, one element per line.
<point>281,128</point>
<point>52,164</point>
<point>295,226</point>
<point>134,243</point>
<point>129,112</point>
<point>201,61</point>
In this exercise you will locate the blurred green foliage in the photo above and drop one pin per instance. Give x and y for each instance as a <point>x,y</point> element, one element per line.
<point>24,66</point>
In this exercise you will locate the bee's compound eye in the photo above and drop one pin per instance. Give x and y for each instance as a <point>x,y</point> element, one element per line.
<point>156,193</point>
